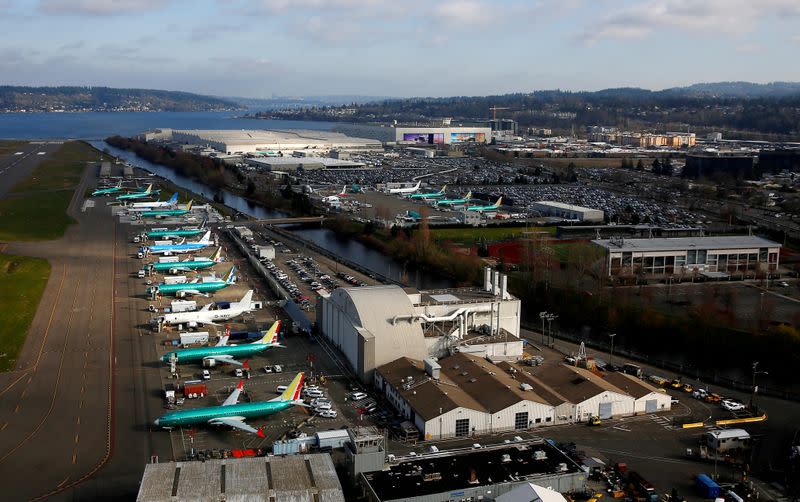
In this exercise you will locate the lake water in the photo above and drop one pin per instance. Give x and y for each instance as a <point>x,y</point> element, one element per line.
<point>99,125</point>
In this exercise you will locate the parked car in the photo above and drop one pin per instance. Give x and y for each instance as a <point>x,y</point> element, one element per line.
<point>732,405</point>
<point>699,394</point>
<point>328,413</point>
<point>238,372</point>
<point>322,406</point>
<point>277,368</point>
<point>268,369</point>
<point>357,396</point>
<point>206,375</point>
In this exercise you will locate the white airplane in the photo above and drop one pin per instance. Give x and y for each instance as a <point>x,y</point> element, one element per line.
<point>208,316</point>
<point>148,206</point>
<point>404,191</point>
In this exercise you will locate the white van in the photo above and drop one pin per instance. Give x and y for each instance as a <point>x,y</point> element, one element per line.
<point>357,396</point>
<point>314,393</point>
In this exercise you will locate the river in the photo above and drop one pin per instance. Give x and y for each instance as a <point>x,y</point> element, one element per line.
<point>327,239</point>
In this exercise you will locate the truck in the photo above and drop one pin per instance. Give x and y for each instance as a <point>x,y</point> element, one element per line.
<point>193,389</point>
<point>707,486</point>
<point>642,487</point>
<point>183,305</point>
<point>265,252</point>
<point>191,338</point>
<point>175,279</point>
<point>632,369</point>
<point>169,393</point>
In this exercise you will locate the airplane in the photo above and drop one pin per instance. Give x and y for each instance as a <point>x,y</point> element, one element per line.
<point>233,414</point>
<point>208,316</point>
<point>465,200</point>
<point>200,287</point>
<point>138,195</point>
<point>183,232</point>
<point>108,190</point>
<point>147,206</point>
<point>183,247</point>
<point>434,195</point>
<point>161,213</point>
<point>481,209</point>
<point>405,191</point>
<point>226,354</point>
<point>198,263</point>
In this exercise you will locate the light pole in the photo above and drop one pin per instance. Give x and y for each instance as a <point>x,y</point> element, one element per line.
<point>612,335</point>
<point>550,319</point>
<point>754,388</point>
<point>542,316</point>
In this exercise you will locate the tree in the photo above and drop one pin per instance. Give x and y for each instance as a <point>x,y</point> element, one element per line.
<point>251,188</point>
<point>666,167</point>
<point>656,166</point>
<point>640,165</point>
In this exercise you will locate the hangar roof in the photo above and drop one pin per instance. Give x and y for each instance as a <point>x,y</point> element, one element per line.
<point>684,243</point>
<point>636,387</point>
<point>576,384</point>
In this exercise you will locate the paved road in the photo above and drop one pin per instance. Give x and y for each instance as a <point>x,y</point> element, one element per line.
<point>57,431</point>
<point>14,167</point>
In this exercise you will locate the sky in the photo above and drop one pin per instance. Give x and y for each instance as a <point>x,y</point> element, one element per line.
<point>261,48</point>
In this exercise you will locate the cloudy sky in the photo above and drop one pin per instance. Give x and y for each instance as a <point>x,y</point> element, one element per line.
<point>257,48</point>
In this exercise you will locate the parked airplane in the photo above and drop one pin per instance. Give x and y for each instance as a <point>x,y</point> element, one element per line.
<point>198,263</point>
<point>184,247</point>
<point>405,191</point>
<point>226,354</point>
<point>138,195</point>
<point>182,232</point>
<point>481,209</point>
<point>197,287</point>
<point>147,206</point>
<point>161,213</point>
<point>207,315</point>
<point>434,195</point>
<point>233,414</point>
<point>454,202</point>
<point>108,190</point>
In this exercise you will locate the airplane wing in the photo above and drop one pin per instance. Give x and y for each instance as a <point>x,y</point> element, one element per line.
<point>224,358</point>
<point>190,292</point>
<point>234,397</point>
<point>206,307</point>
<point>237,423</point>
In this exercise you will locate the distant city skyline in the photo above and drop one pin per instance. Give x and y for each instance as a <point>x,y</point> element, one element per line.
<point>261,48</point>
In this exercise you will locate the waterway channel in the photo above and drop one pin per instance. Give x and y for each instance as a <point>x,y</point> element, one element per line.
<point>327,239</point>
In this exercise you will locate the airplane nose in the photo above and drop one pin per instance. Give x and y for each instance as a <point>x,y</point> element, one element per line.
<point>156,422</point>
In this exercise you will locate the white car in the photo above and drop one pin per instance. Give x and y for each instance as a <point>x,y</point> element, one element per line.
<point>206,375</point>
<point>322,406</point>
<point>732,405</point>
<point>314,393</point>
<point>277,368</point>
<point>319,400</point>
<point>268,369</point>
<point>357,396</point>
<point>328,413</point>
<point>238,372</point>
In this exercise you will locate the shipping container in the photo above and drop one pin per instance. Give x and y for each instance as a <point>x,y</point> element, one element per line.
<point>191,338</point>
<point>175,279</point>
<point>168,259</point>
<point>183,305</point>
<point>707,486</point>
<point>332,439</point>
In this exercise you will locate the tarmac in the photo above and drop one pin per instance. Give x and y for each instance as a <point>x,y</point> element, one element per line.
<point>58,431</point>
<point>20,163</point>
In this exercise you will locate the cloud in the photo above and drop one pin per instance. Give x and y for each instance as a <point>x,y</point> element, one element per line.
<point>749,48</point>
<point>72,46</point>
<point>99,7</point>
<point>731,17</point>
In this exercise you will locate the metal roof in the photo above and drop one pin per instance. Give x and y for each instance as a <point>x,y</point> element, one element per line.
<point>729,433</point>
<point>576,384</point>
<point>633,386</point>
<point>562,205</point>
<point>686,243</point>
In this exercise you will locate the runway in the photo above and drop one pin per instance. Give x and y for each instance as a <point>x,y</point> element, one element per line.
<point>56,430</point>
<point>14,168</point>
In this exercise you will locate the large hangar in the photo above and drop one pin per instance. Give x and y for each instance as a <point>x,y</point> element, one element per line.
<point>377,324</point>
<point>442,135</point>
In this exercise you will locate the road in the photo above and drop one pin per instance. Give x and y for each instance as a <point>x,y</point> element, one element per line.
<point>57,432</point>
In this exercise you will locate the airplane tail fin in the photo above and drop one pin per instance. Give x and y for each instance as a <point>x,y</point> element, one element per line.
<point>344,191</point>
<point>206,239</point>
<point>468,196</point>
<point>271,336</point>
<point>149,188</point>
<point>174,199</point>
<point>223,340</point>
<point>247,300</point>
<point>292,392</point>
<point>443,189</point>
<point>499,202</point>
<point>189,205</point>
<point>217,258</point>
<point>231,275</point>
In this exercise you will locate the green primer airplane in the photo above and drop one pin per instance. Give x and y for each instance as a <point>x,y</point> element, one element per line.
<point>184,232</point>
<point>233,414</point>
<point>493,207</point>
<point>226,354</point>
<point>434,195</point>
<point>193,288</point>
<point>160,213</point>
<point>198,263</point>
<point>455,201</point>
<point>137,195</point>
<point>107,191</point>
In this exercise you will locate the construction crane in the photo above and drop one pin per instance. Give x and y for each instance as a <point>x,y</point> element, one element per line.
<point>494,110</point>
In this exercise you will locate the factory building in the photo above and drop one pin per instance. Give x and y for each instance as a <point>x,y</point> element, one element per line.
<point>568,211</point>
<point>271,479</point>
<point>266,142</point>
<point>375,325</point>
<point>474,474</point>
<point>465,395</point>
<point>306,163</point>
<point>715,257</point>
<point>442,135</point>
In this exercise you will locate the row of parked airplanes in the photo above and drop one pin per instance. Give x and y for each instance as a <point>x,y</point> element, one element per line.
<point>435,198</point>
<point>149,209</point>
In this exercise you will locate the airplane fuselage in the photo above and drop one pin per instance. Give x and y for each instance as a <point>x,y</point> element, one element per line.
<point>201,287</point>
<point>184,265</point>
<point>204,415</point>
<point>157,234</point>
<point>164,212</point>
<point>199,353</point>
<point>177,248</point>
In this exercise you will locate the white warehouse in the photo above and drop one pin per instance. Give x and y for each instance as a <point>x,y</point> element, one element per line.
<point>442,135</point>
<point>375,325</point>
<point>568,211</point>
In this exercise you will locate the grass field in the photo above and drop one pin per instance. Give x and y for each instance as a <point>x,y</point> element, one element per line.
<point>10,146</point>
<point>469,235</point>
<point>36,216</point>
<point>22,281</point>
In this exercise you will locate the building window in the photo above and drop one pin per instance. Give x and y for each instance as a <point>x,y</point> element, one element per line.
<point>521,420</point>
<point>548,419</point>
<point>462,427</point>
